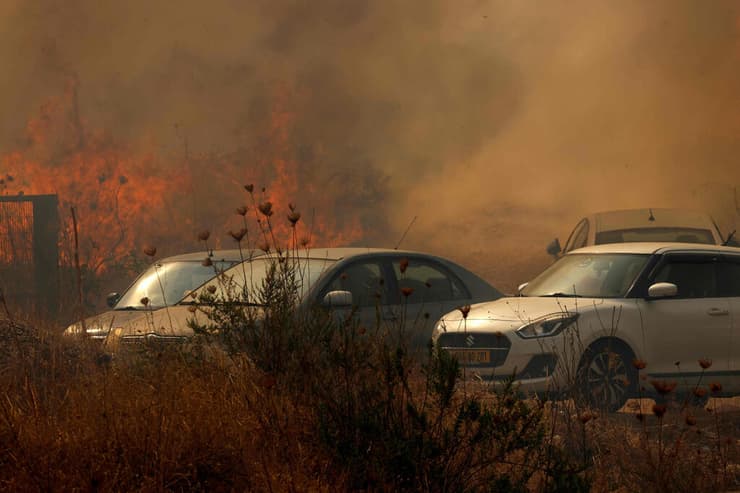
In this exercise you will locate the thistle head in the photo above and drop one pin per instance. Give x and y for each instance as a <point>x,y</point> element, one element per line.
<point>663,387</point>
<point>294,217</point>
<point>465,309</point>
<point>659,410</point>
<point>238,235</point>
<point>265,208</point>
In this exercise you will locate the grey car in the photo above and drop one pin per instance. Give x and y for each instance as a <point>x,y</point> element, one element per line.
<point>374,284</point>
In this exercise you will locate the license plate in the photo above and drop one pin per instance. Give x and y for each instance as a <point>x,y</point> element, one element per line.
<point>467,356</point>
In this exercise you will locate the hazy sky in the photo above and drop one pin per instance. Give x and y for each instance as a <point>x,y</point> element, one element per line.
<point>493,122</point>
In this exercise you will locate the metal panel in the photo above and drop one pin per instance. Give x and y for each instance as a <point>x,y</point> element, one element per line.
<point>29,252</point>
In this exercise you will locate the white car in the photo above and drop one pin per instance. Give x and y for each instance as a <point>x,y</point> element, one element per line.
<point>591,320</point>
<point>162,285</point>
<point>641,225</point>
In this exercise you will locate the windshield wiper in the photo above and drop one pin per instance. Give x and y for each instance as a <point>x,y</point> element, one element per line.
<point>233,303</point>
<point>561,295</point>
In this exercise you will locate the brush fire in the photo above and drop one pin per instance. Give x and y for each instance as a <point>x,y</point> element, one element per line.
<point>125,198</point>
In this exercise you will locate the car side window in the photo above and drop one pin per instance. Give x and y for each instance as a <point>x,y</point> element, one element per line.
<point>695,277</point>
<point>364,280</point>
<point>729,277</point>
<point>424,281</point>
<point>579,237</point>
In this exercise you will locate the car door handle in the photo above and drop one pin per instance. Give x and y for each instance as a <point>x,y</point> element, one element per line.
<point>716,312</point>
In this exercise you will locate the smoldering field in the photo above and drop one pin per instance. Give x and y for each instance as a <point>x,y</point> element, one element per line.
<point>489,127</point>
<point>494,124</point>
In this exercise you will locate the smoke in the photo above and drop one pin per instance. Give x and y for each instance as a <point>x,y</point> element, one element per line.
<point>495,123</point>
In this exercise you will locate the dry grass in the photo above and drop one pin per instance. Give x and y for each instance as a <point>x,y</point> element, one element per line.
<point>340,412</point>
<point>71,419</point>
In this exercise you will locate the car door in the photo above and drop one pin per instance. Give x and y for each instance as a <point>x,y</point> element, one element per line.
<point>729,285</point>
<point>578,237</point>
<point>365,278</point>
<point>426,290</point>
<point>693,325</point>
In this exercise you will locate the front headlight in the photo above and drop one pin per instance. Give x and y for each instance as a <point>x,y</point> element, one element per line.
<point>439,329</point>
<point>548,326</point>
<point>73,330</point>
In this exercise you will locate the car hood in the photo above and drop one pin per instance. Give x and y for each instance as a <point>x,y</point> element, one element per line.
<point>514,312</point>
<point>102,323</point>
<point>175,320</point>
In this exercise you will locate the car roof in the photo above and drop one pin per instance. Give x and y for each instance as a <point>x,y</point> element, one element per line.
<point>654,247</point>
<point>232,255</point>
<point>330,253</point>
<point>338,253</point>
<point>662,217</point>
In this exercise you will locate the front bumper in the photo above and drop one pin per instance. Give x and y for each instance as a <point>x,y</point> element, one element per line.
<point>497,357</point>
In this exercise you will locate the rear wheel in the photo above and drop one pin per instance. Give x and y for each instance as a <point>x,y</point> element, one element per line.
<point>606,376</point>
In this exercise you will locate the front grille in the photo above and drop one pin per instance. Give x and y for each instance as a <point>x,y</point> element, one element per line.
<point>153,339</point>
<point>473,340</point>
<point>478,350</point>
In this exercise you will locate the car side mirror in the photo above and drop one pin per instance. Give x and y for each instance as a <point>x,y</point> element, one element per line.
<point>553,248</point>
<point>336,299</point>
<point>662,290</point>
<point>112,299</point>
<point>521,286</point>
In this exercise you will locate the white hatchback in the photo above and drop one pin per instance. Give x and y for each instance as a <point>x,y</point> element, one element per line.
<point>601,317</point>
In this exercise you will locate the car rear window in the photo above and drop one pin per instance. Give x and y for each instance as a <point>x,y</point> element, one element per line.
<point>682,235</point>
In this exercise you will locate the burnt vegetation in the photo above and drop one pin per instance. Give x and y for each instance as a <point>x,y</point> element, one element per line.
<point>267,397</point>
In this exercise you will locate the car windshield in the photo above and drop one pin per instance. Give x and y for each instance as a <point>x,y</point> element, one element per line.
<point>166,283</point>
<point>682,235</point>
<point>588,275</point>
<point>250,277</point>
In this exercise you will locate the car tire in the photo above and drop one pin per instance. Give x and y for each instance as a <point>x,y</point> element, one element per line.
<point>606,375</point>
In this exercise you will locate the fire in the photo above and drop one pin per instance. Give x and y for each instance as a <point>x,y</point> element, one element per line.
<point>125,198</point>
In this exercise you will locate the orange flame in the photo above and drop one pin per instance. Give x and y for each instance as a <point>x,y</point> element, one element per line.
<point>125,198</point>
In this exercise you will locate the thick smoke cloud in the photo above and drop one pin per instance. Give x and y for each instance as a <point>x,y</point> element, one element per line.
<point>494,123</point>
